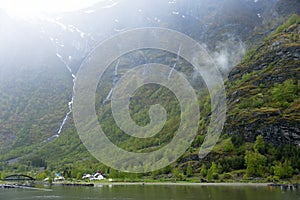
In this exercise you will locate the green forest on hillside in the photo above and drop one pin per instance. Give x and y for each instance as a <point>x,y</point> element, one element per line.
<point>263,90</point>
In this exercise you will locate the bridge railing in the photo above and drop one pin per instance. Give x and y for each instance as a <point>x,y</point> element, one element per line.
<point>19,177</point>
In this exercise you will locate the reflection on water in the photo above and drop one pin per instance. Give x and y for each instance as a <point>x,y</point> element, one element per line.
<point>150,192</point>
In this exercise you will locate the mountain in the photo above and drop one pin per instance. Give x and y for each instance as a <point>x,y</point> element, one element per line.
<point>40,58</point>
<point>261,131</point>
<point>263,91</point>
<point>30,109</point>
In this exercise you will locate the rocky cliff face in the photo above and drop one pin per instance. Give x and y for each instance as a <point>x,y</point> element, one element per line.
<point>272,14</point>
<point>263,91</point>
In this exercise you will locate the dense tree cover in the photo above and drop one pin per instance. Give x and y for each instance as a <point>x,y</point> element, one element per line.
<point>247,161</point>
<point>232,158</point>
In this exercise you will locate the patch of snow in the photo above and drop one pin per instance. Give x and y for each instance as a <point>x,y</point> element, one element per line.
<point>258,14</point>
<point>58,55</point>
<point>111,5</point>
<point>73,28</point>
<point>172,2</point>
<point>175,13</point>
<point>183,16</point>
<point>117,21</point>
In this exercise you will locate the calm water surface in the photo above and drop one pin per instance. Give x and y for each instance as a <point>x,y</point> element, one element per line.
<point>153,192</point>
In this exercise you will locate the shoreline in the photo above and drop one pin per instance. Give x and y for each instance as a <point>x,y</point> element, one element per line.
<point>110,184</point>
<point>182,184</point>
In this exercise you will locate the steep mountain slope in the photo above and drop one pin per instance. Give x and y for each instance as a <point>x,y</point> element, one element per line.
<point>263,98</point>
<point>272,15</point>
<point>263,91</point>
<point>40,57</point>
<point>36,85</point>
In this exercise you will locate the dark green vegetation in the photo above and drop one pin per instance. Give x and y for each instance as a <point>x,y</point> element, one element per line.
<point>146,96</point>
<point>260,140</point>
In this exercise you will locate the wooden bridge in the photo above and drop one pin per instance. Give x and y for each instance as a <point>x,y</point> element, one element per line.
<point>19,177</point>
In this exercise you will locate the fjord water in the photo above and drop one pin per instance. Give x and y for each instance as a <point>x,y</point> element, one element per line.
<point>152,192</point>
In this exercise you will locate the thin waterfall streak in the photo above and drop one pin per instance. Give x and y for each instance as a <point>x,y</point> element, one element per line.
<point>115,78</point>
<point>70,103</point>
<point>108,96</point>
<point>175,64</point>
<point>66,64</point>
<point>114,82</point>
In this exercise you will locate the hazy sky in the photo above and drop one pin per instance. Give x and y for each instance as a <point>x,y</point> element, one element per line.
<point>24,8</point>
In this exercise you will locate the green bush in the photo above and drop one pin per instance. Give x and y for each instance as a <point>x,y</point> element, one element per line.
<point>203,171</point>
<point>283,94</point>
<point>284,170</point>
<point>189,170</point>
<point>227,176</point>
<point>227,145</point>
<point>276,178</point>
<point>255,163</point>
<point>41,176</point>
<point>213,172</point>
<point>215,176</point>
<point>259,144</point>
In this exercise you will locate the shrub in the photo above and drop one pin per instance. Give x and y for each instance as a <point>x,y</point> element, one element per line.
<point>259,144</point>
<point>213,172</point>
<point>189,170</point>
<point>41,176</point>
<point>227,176</point>
<point>255,163</point>
<point>228,146</point>
<point>285,93</point>
<point>203,171</point>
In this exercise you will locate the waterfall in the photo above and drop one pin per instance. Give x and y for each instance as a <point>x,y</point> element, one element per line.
<point>177,59</point>
<point>58,47</point>
<point>66,117</point>
<point>70,103</point>
<point>114,82</point>
<point>108,96</point>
